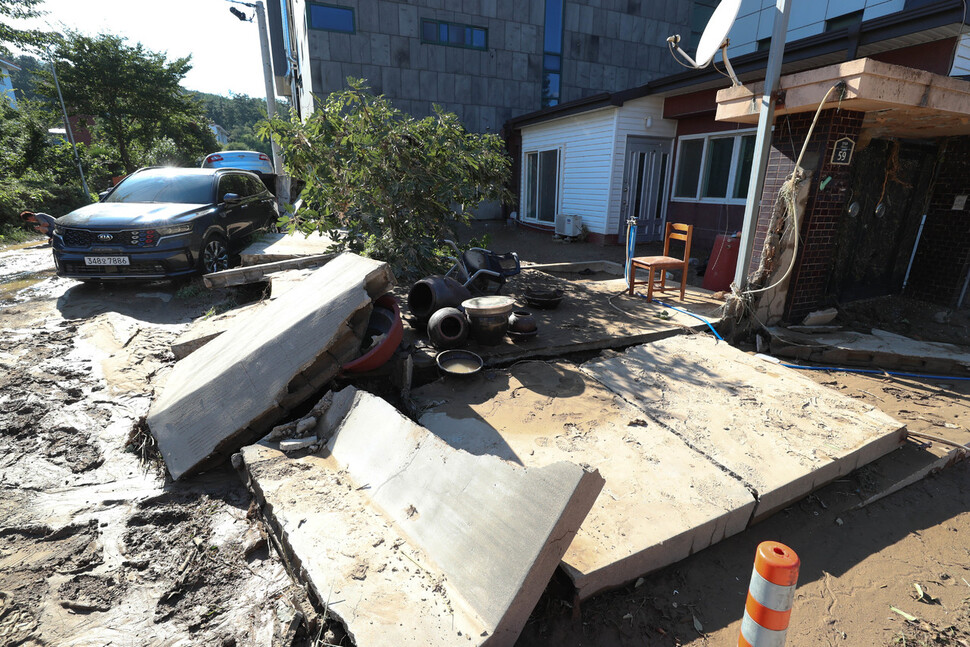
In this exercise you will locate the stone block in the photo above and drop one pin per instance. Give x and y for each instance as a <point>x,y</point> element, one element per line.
<point>409,541</point>
<point>225,394</point>
<point>662,500</point>
<point>779,432</point>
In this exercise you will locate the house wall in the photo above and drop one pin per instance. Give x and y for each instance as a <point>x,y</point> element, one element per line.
<point>586,145</point>
<point>631,121</point>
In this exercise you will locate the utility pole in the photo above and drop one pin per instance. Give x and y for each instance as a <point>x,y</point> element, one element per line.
<point>762,145</point>
<point>267,69</point>
<point>67,127</point>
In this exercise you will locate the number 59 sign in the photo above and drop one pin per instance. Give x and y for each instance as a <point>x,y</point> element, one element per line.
<point>842,152</point>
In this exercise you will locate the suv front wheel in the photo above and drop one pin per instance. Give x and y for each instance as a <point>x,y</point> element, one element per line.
<point>215,255</point>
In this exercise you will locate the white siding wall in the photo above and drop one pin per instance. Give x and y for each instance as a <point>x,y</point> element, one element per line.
<point>631,120</point>
<point>961,62</point>
<point>585,160</point>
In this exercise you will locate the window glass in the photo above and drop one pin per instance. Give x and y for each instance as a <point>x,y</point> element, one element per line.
<point>718,167</point>
<point>742,172</point>
<point>688,167</point>
<point>550,89</point>
<point>548,185</point>
<point>254,186</point>
<point>232,184</point>
<point>552,33</point>
<point>479,39</point>
<point>164,187</point>
<point>551,63</point>
<point>331,18</point>
<point>531,184</point>
<point>446,33</point>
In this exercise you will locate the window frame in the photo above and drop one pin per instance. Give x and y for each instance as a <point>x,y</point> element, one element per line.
<point>524,197</point>
<point>309,21</point>
<point>738,136</point>
<point>463,26</point>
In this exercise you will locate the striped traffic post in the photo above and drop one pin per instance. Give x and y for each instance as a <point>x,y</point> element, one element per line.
<point>770,596</point>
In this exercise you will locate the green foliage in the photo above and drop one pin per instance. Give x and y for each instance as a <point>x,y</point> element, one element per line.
<point>384,184</point>
<point>38,170</point>
<point>23,80</point>
<point>133,96</point>
<point>15,10</point>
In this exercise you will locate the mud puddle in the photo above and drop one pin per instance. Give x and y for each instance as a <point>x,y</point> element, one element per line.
<point>96,547</point>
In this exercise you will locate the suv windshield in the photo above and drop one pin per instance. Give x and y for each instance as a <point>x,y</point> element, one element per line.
<point>144,187</point>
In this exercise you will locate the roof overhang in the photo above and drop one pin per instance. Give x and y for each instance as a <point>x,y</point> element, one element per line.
<point>898,101</point>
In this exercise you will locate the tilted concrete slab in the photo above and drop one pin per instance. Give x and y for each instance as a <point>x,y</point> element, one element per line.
<point>662,501</point>
<point>778,431</point>
<point>264,271</point>
<point>409,541</point>
<point>272,248</point>
<point>236,387</point>
<point>204,330</point>
<point>881,349</point>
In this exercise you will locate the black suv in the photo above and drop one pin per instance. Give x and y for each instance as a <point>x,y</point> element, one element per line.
<point>163,223</point>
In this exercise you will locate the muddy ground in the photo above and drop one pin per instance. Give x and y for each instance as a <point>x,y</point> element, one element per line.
<point>97,547</point>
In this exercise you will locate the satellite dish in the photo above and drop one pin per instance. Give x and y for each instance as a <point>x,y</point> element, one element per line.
<point>715,37</point>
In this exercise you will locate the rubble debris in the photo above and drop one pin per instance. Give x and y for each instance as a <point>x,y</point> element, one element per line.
<point>820,317</point>
<point>881,349</point>
<point>408,541</point>
<point>271,248</point>
<point>738,411</point>
<point>258,273</point>
<point>234,389</point>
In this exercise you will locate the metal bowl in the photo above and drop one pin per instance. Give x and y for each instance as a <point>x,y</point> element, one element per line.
<point>546,299</point>
<point>460,363</point>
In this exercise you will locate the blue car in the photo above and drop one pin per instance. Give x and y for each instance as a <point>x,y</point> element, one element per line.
<point>163,223</point>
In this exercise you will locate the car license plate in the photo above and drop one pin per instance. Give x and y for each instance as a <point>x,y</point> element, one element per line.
<point>106,260</point>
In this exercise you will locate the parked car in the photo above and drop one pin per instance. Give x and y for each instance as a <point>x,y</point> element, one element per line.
<point>163,223</point>
<point>247,160</point>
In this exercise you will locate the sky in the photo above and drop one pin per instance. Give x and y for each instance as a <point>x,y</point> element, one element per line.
<point>225,51</point>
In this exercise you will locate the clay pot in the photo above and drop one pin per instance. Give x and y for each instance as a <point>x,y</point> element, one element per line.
<point>521,321</point>
<point>489,318</point>
<point>448,328</point>
<point>433,293</point>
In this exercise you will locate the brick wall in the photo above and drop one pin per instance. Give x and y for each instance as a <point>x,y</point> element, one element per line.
<point>941,262</point>
<point>824,208</point>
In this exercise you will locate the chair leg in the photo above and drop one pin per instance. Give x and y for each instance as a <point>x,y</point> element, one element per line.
<point>683,282</point>
<point>633,278</point>
<point>649,285</point>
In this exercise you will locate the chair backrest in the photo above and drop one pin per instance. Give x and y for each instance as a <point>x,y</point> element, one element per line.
<point>678,231</point>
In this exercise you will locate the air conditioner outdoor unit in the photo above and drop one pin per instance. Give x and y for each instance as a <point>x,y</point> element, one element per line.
<point>567,225</point>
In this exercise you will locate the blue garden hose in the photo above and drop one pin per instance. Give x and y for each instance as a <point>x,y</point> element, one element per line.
<point>874,371</point>
<point>686,312</point>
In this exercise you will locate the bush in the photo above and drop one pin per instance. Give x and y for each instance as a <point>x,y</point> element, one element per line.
<point>384,184</point>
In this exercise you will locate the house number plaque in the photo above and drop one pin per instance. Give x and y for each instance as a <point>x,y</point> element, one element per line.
<point>842,152</point>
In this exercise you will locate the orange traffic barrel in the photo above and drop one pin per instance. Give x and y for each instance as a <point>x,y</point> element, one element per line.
<point>770,596</point>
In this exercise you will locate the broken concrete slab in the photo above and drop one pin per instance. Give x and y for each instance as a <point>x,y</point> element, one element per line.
<point>409,541</point>
<point>262,272</point>
<point>204,330</point>
<point>881,349</point>
<point>271,248</point>
<point>235,388</point>
<point>779,432</point>
<point>662,501</point>
<point>607,267</point>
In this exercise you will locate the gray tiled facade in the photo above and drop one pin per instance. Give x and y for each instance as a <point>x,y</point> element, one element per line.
<point>608,45</point>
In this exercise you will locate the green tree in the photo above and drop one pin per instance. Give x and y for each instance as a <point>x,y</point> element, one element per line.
<point>38,171</point>
<point>133,96</point>
<point>384,184</point>
<point>16,10</point>
<point>239,114</point>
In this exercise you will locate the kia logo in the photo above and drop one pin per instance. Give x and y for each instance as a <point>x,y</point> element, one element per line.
<point>105,237</point>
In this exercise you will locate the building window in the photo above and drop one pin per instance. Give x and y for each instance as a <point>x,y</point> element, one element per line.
<point>552,54</point>
<point>455,35</point>
<point>330,18</point>
<point>542,185</point>
<point>714,168</point>
<point>843,22</point>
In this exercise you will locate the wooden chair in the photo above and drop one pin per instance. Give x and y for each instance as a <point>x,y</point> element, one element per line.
<point>675,231</point>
